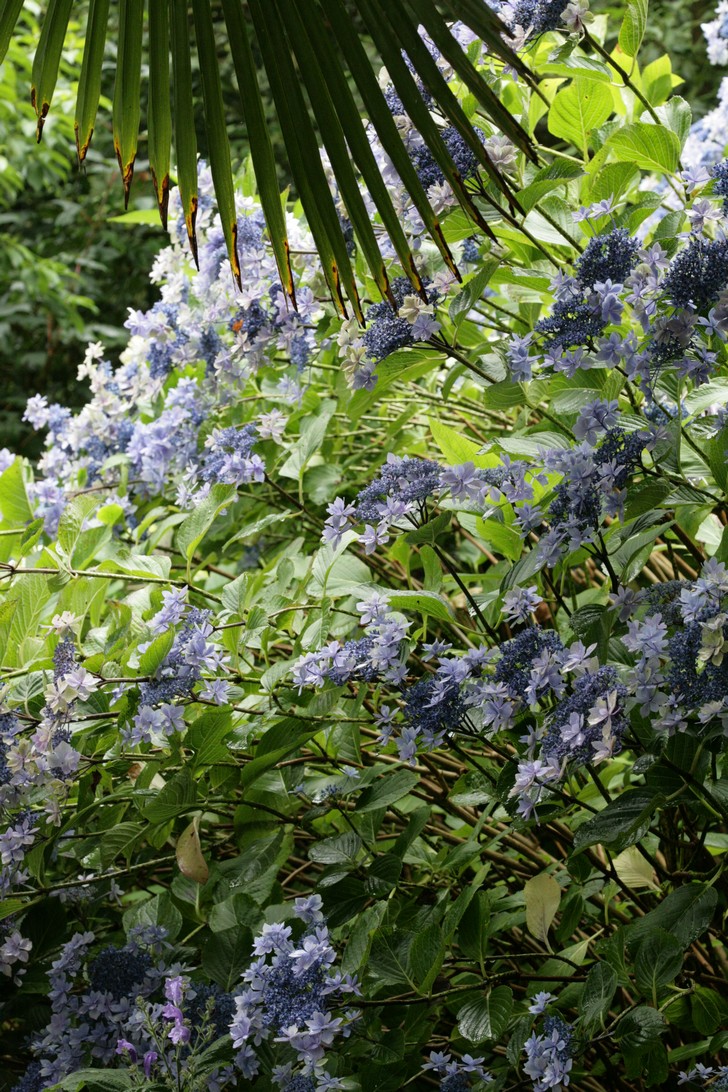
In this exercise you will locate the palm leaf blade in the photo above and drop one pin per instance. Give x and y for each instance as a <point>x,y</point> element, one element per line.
<point>335,144</point>
<point>438,30</point>
<point>304,157</point>
<point>405,86</point>
<point>358,142</point>
<point>9,14</point>
<point>381,119</point>
<point>89,82</point>
<point>127,89</point>
<point>159,122</point>
<point>261,149</point>
<point>185,140</point>
<point>217,139</point>
<point>44,72</point>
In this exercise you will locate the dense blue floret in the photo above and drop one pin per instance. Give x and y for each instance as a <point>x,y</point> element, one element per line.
<point>408,480</point>
<point>664,599</point>
<point>607,257</point>
<point>573,321</point>
<point>210,345</point>
<point>692,688</point>
<point>119,971</point>
<point>720,187</point>
<point>386,335</point>
<point>463,157</point>
<point>538,16</point>
<point>588,688</point>
<point>457,1082</point>
<point>517,656</point>
<point>698,274</point>
<point>431,710</point>
<point>223,1009</point>
<point>31,1081</point>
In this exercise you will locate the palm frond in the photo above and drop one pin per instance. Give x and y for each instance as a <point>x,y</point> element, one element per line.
<point>321,77</point>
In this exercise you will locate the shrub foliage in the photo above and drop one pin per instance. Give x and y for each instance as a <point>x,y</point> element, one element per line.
<point>365,691</point>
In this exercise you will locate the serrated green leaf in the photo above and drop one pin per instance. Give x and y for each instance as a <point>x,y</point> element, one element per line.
<point>579,109</point>
<point>386,790</point>
<point>599,989</point>
<point>651,147</point>
<point>622,823</point>
<point>486,1017</point>
<point>633,27</point>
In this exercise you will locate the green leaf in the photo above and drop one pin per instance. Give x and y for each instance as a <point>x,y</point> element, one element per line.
<point>95,1080</point>
<point>386,790</point>
<point>206,734</point>
<point>159,910</point>
<point>651,147</point>
<point>426,956</point>
<point>576,64</point>
<point>427,603</point>
<point>191,533</point>
<point>177,797</point>
<point>599,989</point>
<point>340,849</point>
<point>430,532</point>
<point>271,750</point>
<point>677,116</point>
<point>486,1017</point>
<point>153,656</point>
<point>633,27</point>
<point>121,839</point>
<point>686,913</point>
<point>658,962</point>
<point>708,1010</point>
<point>226,955</point>
<point>622,823</point>
<point>546,180</point>
<point>579,109</point>
<point>472,291</point>
<point>9,13</point>
<point>640,1026</point>
<point>15,508</point>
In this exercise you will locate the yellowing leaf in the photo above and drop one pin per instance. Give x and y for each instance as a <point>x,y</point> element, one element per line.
<point>542,895</point>
<point>633,870</point>
<point>190,861</point>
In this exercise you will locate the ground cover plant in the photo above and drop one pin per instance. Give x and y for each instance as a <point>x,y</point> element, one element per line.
<point>365,689</point>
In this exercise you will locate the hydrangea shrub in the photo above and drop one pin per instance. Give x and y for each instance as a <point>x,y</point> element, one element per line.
<point>365,690</point>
